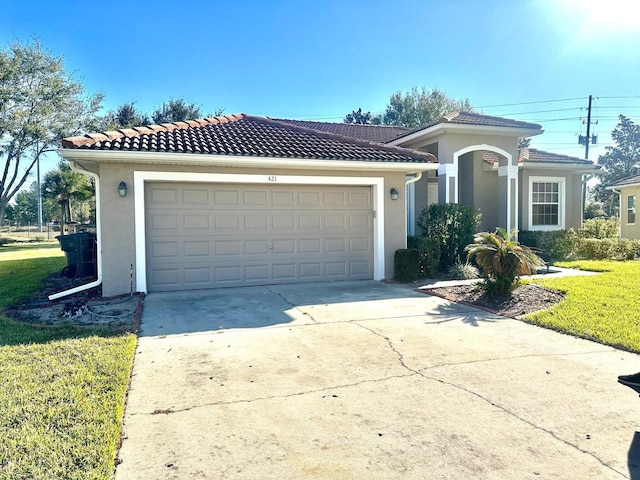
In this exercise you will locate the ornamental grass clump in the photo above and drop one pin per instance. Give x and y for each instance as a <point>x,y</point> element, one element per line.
<point>502,260</point>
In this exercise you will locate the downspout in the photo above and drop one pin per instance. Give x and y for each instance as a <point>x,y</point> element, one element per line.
<point>410,204</point>
<point>76,168</point>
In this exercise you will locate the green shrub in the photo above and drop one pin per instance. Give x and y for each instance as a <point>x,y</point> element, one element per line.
<point>429,250</point>
<point>502,260</point>
<point>452,226</point>
<point>463,271</point>
<point>406,265</point>
<point>559,244</point>
<point>600,228</point>
<point>607,248</point>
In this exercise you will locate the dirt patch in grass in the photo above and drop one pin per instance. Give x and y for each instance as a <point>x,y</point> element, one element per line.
<point>85,308</point>
<point>525,299</point>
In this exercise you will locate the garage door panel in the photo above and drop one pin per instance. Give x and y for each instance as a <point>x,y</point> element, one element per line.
<point>216,235</point>
<point>196,249</point>
<point>165,196</point>
<point>196,196</point>
<point>284,198</point>
<point>227,197</point>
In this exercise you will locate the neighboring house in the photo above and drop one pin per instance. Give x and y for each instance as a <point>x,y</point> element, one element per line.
<point>628,190</point>
<point>240,200</point>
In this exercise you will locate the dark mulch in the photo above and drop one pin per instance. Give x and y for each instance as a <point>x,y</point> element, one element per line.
<point>84,308</point>
<point>521,301</point>
<point>57,283</point>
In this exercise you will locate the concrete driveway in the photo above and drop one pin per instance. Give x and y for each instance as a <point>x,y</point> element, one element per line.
<point>362,380</point>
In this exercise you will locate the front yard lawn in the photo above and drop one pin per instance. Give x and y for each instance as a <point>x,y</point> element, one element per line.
<point>604,308</point>
<point>63,388</point>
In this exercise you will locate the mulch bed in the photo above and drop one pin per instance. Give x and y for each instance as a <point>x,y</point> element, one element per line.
<point>84,308</point>
<point>521,301</point>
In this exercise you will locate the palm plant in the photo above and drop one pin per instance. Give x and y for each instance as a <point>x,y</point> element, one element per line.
<point>502,259</point>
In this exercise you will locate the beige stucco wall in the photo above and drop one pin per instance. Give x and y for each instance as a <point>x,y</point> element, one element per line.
<point>629,230</point>
<point>573,196</point>
<point>118,243</point>
<point>485,194</point>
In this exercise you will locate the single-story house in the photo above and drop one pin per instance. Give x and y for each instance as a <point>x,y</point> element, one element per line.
<point>241,200</point>
<point>628,190</point>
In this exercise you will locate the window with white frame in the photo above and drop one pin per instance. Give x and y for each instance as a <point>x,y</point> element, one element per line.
<point>631,209</point>
<point>546,203</point>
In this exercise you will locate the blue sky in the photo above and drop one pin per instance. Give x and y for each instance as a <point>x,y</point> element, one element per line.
<point>322,59</point>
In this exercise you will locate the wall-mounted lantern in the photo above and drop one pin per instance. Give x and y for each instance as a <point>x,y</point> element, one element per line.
<point>394,194</point>
<point>122,189</point>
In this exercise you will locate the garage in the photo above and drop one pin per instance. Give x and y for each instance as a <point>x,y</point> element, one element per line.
<point>211,235</point>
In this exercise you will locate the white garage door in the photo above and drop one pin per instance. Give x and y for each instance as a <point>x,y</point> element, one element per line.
<point>223,235</point>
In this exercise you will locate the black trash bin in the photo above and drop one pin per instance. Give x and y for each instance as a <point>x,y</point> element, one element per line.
<point>80,252</point>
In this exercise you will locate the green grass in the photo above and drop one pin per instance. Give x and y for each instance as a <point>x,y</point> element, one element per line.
<point>604,308</point>
<point>63,388</point>
<point>23,270</point>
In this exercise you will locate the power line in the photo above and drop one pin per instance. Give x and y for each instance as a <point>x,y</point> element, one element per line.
<point>542,111</point>
<point>632,96</point>
<point>532,103</point>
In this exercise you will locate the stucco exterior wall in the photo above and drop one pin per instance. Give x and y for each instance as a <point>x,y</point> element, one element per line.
<point>485,195</point>
<point>572,196</point>
<point>629,230</point>
<point>118,215</point>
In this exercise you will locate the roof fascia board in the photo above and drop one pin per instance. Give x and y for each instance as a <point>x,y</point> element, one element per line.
<point>464,128</point>
<point>166,158</point>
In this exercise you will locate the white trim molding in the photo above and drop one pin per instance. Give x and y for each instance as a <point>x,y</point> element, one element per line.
<point>449,171</point>
<point>508,170</point>
<point>562,203</point>
<point>141,177</point>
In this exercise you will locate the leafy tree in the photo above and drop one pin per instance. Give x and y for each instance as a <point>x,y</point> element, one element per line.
<point>502,259</point>
<point>25,205</point>
<point>620,161</point>
<point>126,116</point>
<point>360,118</point>
<point>39,105</point>
<point>419,107</point>
<point>64,185</point>
<point>594,210</point>
<point>9,215</point>
<point>176,111</point>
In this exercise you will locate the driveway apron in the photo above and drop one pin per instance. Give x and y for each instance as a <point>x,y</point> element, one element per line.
<point>356,380</point>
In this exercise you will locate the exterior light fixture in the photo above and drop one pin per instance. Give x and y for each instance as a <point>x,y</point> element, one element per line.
<point>122,189</point>
<point>394,194</point>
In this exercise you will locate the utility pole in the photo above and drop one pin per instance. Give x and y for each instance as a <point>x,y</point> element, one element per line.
<point>586,140</point>
<point>586,144</point>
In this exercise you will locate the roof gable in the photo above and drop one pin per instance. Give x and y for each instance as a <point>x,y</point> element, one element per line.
<point>471,119</point>
<point>245,135</point>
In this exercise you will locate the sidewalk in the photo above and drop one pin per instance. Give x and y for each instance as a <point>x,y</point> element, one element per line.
<point>554,272</point>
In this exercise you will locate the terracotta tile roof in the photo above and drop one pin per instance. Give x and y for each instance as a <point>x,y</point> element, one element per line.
<point>245,135</point>
<point>533,155</point>
<point>633,180</point>
<point>373,133</point>
<point>469,118</point>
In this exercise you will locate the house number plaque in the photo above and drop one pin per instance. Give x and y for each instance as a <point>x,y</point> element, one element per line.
<point>272,178</point>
